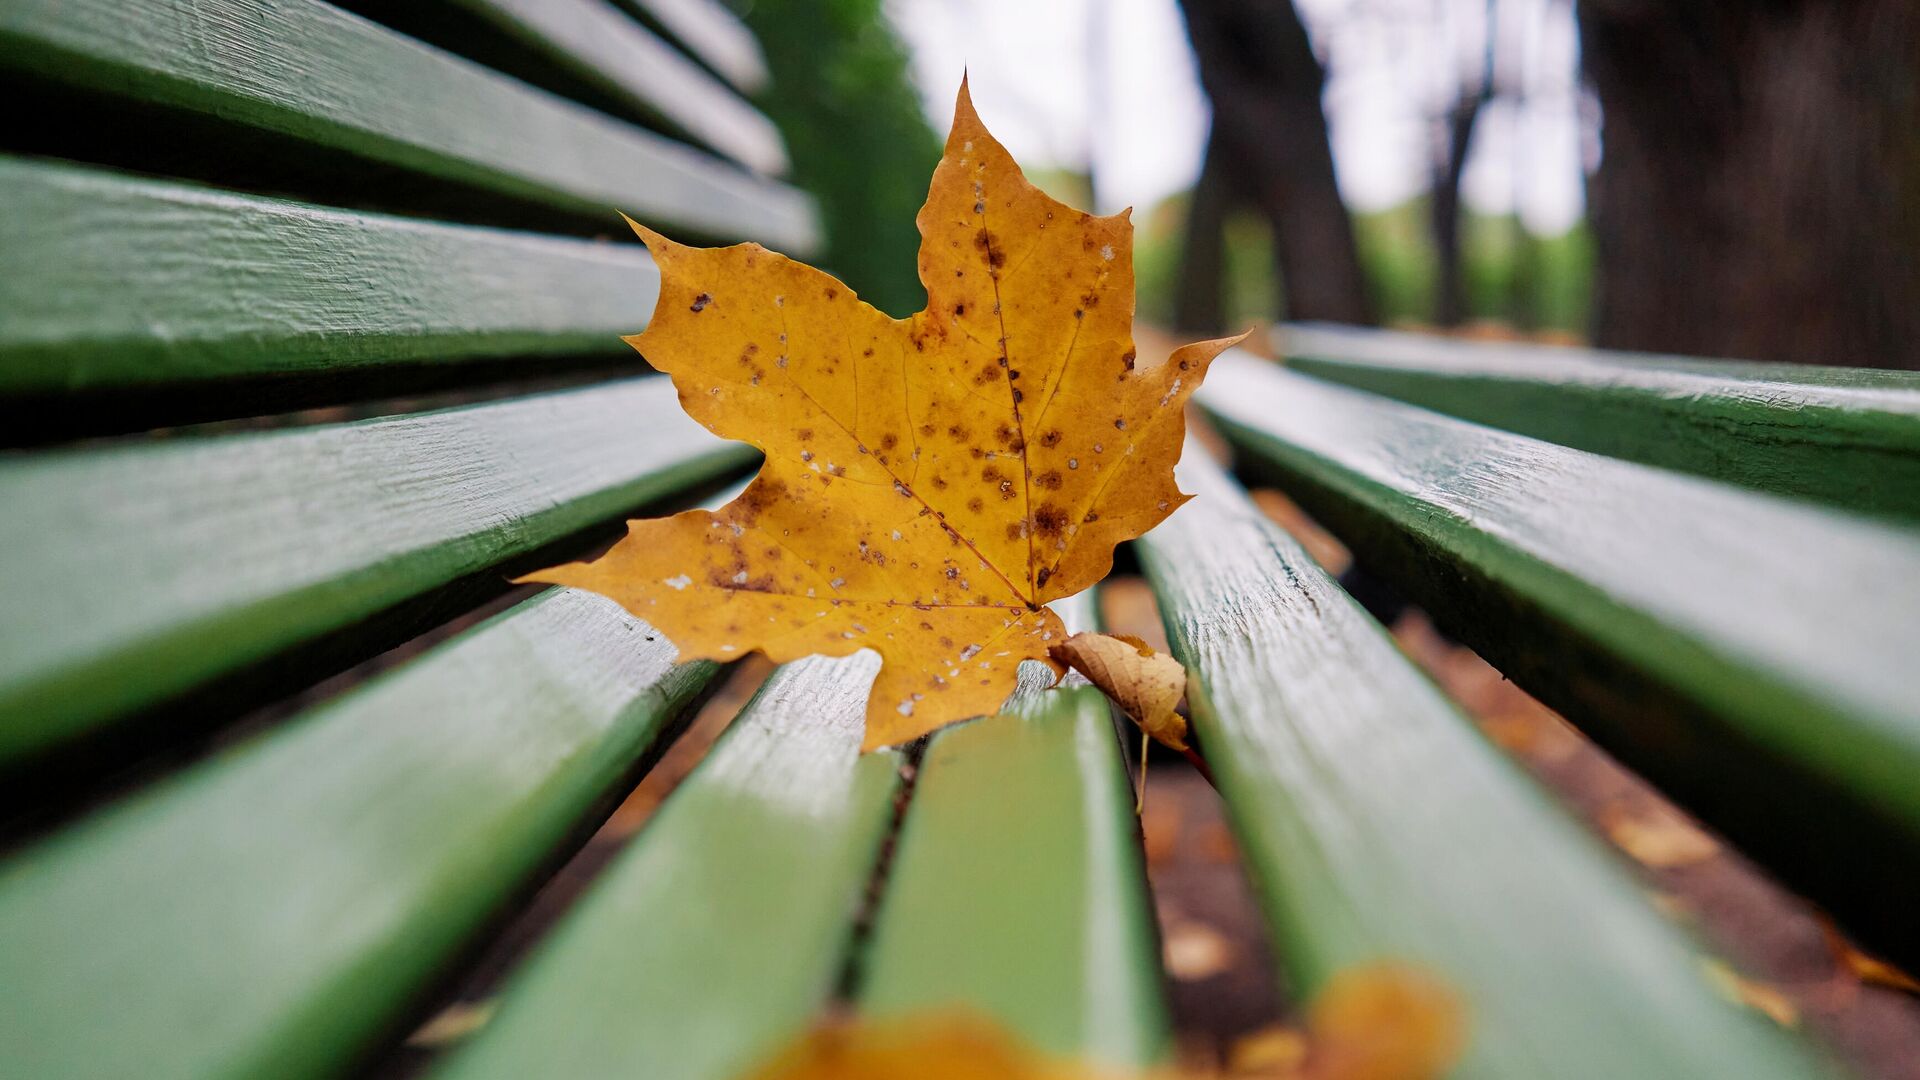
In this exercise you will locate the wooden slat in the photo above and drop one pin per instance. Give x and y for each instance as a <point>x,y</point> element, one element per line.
<point>1377,823</point>
<point>305,69</point>
<point>134,573</point>
<point>1846,436</point>
<point>608,48</point>
<point>1017,889</point>
<point>271,911</point>
<point>717,937</point>
<point>711,31</point>
<point>204,286</point>
<point>1751,655</point>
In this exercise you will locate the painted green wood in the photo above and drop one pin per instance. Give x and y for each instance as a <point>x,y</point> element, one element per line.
<point>718,935</point>
<point>306,69</point>
<point>1845,436</point>
<point>270,912</point>
<point>711,31</point>
<point>1017,888</point>
<point>607,47</point>
<point>202,286</point>
<point>135,572</point>
<point>1377,823</point>
<point>1751,655</point>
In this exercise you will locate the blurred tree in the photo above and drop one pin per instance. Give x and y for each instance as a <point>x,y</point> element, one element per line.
<point>1268,147</point>
<point>841,96</point>
<point>1759,186</point>
<point>1449,165</point>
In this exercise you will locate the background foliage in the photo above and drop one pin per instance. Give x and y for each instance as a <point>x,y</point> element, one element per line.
<point>841,94</point>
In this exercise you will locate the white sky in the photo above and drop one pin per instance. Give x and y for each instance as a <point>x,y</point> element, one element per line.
<point>1058,87</point>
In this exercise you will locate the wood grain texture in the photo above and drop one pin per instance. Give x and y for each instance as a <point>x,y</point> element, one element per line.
<point>1378,823</point>
<point>306,69</point>
<point>607,47</point>
<point>135,572</point>
<point>711,31</point>
<point>717,936</point>
<point>1749,654</point>
<point>1017,889</point>
<point>205,286</point>
<point>1845,436</point>
<point>268,912</point>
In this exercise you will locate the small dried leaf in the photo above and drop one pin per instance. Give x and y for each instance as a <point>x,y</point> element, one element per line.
<point>1147,685</point>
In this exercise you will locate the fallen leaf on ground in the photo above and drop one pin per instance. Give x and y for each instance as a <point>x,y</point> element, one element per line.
<point>1380,1022</point>
<point>1193,951</point>
<point>930,483</point>
<point>1658,837</point>
<point>1147,685</point>
<point>1758,996</point>
<point>452,1024</point>
<point>1864,966</point>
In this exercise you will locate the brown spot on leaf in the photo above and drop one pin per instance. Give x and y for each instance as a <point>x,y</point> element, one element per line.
<point>1051,439</point>
<point>700,303</point>
<point>1049,479</point>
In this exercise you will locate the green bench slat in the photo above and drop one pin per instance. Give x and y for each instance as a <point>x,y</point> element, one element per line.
<point>1379,824</point>
<point>1751,655</point>
<point>311,71</point>
<point>606,46</point>
<point>712,32</point>
<point>1846,436</point>
<point>137,572</point>
<point>718,935</point>
<point>272,911</point>
<point>1017,888</point>
<point>213,286</point>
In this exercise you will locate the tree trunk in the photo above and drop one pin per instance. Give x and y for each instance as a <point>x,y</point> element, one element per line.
<point>1264,82</point>
<point>1450,287</point>
<point>1759,188</point>
<point>1199,304</point>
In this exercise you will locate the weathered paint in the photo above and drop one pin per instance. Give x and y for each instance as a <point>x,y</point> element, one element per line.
<point>608,48</point>
<point>269,912</point>
<point>306,69</point>
<point>717,936</point>
<point>1378,823</point>
<point>202,285</point>
<point>1017,888</point>
<point>1845,436</point>
<point>136,572</point>
<point>1750,654</point>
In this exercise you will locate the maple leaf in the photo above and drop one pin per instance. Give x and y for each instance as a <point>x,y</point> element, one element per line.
<point>929,483</point>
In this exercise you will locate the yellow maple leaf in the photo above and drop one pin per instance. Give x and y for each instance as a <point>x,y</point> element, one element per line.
<point>930,483</point>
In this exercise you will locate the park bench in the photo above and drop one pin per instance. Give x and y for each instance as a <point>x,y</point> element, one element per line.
<point>220,209</point>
